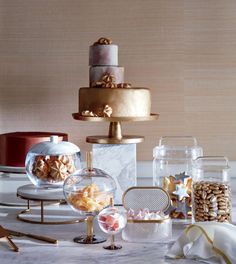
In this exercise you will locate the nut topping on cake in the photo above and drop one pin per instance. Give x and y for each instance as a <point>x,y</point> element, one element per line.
<point>108,78</point>
<point>102,112</point>
<point>107,81</point>
<point>88,113</point>
<point>103,41</point>
<point>107,111</point>
<point>123,85</point>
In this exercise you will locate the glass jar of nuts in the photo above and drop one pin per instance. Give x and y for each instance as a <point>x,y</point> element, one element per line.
<point>211,189</point>
<point>49,163</point>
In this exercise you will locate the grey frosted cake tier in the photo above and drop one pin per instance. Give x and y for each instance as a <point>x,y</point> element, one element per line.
<point>100,55</point>
<point>96,73</point>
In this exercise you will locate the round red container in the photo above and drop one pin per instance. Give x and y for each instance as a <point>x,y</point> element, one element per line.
<point>15,146</point>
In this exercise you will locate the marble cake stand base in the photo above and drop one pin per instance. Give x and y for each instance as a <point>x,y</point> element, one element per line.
<point>118,160</point>
<point>45,197</point>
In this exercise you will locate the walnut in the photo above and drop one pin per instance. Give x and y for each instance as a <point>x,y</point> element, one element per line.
<point>107,78</point>
<point>103,41</point>
<point>107,111</point>
<point>88,113</point>
<point>97,84</point>
<point>109,85</point>
<point>107,81</point>
<point>123,85</point>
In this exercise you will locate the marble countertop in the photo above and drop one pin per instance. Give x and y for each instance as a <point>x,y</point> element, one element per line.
<point>34,251</point>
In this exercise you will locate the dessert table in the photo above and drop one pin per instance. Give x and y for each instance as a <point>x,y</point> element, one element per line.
<point>66,251</point>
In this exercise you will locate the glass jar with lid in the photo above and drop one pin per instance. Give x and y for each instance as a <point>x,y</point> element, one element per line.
<point>49,163</point>
<point>88,191</point>
<point>211,189</point>
<point>172,170</point>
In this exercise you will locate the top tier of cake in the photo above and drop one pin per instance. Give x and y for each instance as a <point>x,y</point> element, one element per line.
<point>103,55</point>
<point>103,61</point>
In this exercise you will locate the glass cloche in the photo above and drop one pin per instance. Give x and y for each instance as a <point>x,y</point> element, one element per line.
<point>87,192</point>
<point>49,163</point>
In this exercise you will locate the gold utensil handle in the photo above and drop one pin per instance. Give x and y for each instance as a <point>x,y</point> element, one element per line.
<point>43,238</point>
<point>13,245</point>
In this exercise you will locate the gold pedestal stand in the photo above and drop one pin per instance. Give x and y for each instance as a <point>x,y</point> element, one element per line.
<point>89,238</point>
<point>31,193</point>
<point>115,133</point>
<point>20,215</point>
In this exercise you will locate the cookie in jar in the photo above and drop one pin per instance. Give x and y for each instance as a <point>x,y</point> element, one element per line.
<point>49,163</point>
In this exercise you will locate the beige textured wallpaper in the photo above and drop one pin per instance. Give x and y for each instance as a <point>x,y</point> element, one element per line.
<point>184,51</point>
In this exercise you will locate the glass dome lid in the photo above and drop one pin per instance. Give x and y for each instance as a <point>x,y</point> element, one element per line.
<point>54,147</point>
<point>89,190</point>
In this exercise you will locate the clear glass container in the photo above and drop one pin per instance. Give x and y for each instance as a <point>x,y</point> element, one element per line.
<point>112,220</point>
<point>148,231</point>
<point>146,220</point>
<point>172,170</point>
<point>211,189</point>
<point>88,191</point>
<point>49,163</point>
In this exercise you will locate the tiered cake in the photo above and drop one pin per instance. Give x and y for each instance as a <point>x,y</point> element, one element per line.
<point>108,95</point>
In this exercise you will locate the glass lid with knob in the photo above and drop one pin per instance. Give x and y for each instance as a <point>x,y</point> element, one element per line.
<point>88,191</point>
<point>49,163</point>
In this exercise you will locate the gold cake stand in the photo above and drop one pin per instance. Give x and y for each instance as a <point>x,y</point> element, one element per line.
<point>115,135</point>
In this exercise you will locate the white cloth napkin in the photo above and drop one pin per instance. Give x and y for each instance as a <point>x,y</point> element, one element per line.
<point>210,242</point>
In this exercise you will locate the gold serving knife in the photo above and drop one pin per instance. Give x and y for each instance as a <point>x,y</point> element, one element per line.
<point>5,234</point>
<point>38,237</point>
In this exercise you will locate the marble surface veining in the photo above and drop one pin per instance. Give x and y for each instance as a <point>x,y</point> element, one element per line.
<point>120,162</point>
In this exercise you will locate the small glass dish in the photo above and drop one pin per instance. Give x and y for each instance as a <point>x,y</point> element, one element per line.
<point>112,220</point>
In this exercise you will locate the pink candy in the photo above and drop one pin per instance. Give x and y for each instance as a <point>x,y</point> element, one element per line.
<point>145,214</point>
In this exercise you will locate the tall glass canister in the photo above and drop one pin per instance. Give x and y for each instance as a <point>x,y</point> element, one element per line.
<point>172,170</point>
<point>211,189</point>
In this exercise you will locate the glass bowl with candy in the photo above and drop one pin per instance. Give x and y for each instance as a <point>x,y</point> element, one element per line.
<point>112,220</point>
<point>88,191</point>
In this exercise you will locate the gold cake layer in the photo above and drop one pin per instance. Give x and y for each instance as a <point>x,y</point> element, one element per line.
<point>132,102</point>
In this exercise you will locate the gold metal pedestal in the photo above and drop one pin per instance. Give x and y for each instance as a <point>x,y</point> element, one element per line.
<point>115,133</point>
<point>42,214</point>
<point>43,197</point>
